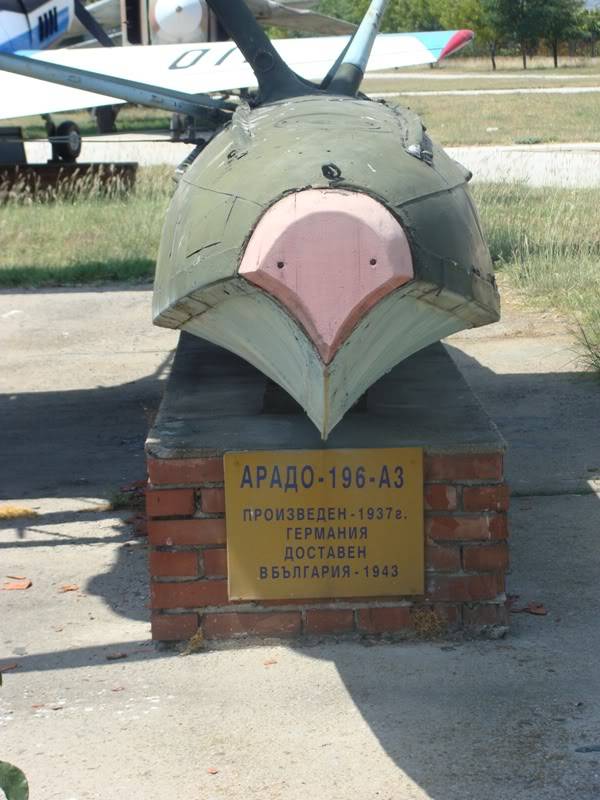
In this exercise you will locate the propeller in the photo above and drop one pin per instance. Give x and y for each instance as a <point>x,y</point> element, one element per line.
<point>91,24</point>
<point>350,72</point>
<point>276,80</point>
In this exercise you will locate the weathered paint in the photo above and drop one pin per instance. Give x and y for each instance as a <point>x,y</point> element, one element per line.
<point>328,256</point>
<point>395,328</point>
<point>302,146</point>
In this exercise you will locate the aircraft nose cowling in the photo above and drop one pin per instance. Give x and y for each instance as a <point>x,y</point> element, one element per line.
<point>328,256</point>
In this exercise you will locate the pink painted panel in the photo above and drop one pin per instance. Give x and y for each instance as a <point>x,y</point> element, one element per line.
<point>328,256</point>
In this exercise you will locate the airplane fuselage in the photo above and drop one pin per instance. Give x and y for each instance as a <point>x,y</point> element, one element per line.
<point>33,24</point>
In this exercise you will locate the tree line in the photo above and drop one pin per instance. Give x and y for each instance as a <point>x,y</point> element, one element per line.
<point>499,25</point>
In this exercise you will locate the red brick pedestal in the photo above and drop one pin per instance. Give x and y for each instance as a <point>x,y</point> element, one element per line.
<point>466,558</point>
<point>216,403</point>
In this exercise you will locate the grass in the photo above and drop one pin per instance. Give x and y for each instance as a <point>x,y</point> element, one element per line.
<point>507,64</point>
<point>130,119</point>
<point>547,243</point>
<point>446,82</point>
<point>508,119</point>
<point>85,234</point>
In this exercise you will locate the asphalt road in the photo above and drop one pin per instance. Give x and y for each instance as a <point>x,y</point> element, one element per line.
<point>91,710</point>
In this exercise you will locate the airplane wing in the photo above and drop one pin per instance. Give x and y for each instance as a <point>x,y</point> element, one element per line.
<point>270,12</point>
<point>204,68</point>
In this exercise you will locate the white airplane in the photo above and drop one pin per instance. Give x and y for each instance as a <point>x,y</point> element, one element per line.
<point>180,21</point>
<point>44,24</point>
<point>175,77</point>
<point>67,79</point>
<point>41,24</point>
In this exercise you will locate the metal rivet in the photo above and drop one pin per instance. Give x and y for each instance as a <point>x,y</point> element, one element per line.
<point>280,265</point>
<point>373,261</point>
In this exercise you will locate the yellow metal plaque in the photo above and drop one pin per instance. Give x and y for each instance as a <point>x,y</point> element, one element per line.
<point>324,523</point>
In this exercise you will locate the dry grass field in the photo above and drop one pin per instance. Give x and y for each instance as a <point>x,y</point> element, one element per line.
<point>546,242</point>
<point>453,120</point>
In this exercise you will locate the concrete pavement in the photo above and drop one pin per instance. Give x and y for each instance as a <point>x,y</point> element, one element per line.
<point>443,72</point>
<point>92,710</point>
<point>477,92</point>
<point>564,165</point>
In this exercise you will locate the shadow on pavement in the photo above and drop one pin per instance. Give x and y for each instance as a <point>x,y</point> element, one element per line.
<point>457,716</point>
<point>76,443</point>
<point>549,420</point>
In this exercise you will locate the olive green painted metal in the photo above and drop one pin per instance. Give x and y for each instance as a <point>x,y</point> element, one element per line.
<point>13,782</point>
<point>297,137</point>
<point>324,142</point>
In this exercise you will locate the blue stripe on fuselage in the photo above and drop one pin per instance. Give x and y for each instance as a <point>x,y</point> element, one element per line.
<point>31,41</point>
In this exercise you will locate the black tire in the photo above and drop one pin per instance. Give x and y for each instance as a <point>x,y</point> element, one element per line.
<point>69,149</point>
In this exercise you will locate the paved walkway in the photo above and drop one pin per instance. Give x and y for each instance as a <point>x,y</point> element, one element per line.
<point>446,74</point>
<point>476,92</point>
<point>92,711</point>
<point>569,165</point>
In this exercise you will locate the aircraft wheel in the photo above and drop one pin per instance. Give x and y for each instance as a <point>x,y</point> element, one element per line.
<point>69,149</point>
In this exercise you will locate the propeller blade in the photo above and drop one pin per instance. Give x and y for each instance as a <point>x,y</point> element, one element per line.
<point>92,25</point>
<point>350,72</point>
<point>276,80</point>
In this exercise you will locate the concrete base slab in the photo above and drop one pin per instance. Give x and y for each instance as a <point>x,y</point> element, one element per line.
<point>81,380</point>
<point>451,721</point>
<point>527,372</point>
<point>454,721</point>
<point>215,402</point>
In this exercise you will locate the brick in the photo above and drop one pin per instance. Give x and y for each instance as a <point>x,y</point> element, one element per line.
<point>486,498</point>
<point>190,594</point>
<point>173,565</point>
<point>440,497</point>
<point>269,623</point>
<point>488,558</point>
<point>442,558</point>
<point>170,502</point>
<point>452,614</point>
<point>464,588</point>
<point>215,562</point>
<point>329,620</point>
<point>383,620</point>
<point>485,615</point>
<point>187,532</point>
<point>464,466</point>
<point>192,471</point>
<point>213,501</point>
<point>484,528</point>
<point>173,627</point>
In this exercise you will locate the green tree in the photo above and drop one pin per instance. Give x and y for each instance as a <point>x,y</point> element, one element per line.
<point>560,22</point>
<point>470,14</point>
<point>519,20</point>
<point>412,15</point>
<point>588,28</point>
<point>402,15</point>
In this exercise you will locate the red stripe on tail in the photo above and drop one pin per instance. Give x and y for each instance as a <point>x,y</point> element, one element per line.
<point>459,40</point>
